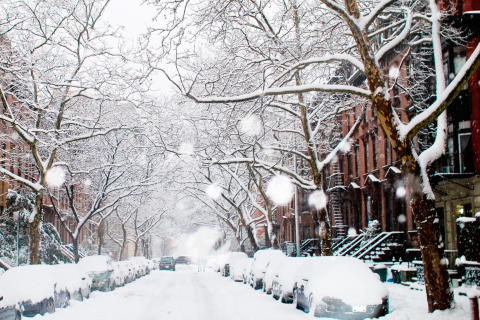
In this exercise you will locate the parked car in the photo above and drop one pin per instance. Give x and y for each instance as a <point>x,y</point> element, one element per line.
<point>100,269</point>
<point>340,288</point>
<point>128,270</point>
<point>273,264</point>
<point>141,265</point>
<point>283,280</point>
<point>156,263</point>
<point>10,309</point>
<point>119,274</point>
<point>247,271</point>
<point>237,268</point>
<point>230,258</point>
<point>167,263</point>
<point>72,282</point>
<point>30,289</point>
<point>261,259</point>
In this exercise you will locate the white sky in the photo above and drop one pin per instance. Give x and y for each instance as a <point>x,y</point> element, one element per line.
<point>135,18</point>
<point>130,14</point>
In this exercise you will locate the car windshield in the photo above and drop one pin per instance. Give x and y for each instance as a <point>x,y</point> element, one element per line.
<point>167,259</point>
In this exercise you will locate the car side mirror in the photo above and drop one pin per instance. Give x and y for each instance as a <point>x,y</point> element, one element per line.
<point>83,278</point>
<point>305,277</point>
<point>1,298</point>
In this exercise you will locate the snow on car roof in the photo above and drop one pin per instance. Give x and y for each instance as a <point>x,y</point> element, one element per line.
<point>94,263</point>
<point>345,278</point>
<point>33,282</point>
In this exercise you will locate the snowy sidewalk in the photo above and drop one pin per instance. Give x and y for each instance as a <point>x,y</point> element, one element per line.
<point>186,294</point>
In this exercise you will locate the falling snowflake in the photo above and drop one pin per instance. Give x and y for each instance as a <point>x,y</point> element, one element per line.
<point>317,199</point>
<point>352,232</point>
<point>401,192</point>
<point>345,146</point>
<point>251,125</point>
<point>213,191</point>
<point>186,149</point>
<point>55,177</point>
<point>393,72</point>
<point>280,190</point>
<point>401,218</point>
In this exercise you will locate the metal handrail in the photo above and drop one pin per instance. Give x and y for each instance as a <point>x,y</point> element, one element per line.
<point>387,235</point>
<point>350,246</point>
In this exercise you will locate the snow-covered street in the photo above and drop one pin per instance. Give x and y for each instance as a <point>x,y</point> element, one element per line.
<point>187,294</point>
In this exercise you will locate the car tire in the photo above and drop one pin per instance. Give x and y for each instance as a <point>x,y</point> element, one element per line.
<point>50,307</point>
<point>295,299</point>
<point>18,315</point>
<point>281,297</point>
<point>67,299</point>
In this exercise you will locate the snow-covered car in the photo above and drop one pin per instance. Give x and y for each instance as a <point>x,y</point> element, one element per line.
<point>247,271</point>
<point>28,288</point>
<point>141,262</point>
<point>156,263</point>
<point>128,270</point>
<point>100,269</point>
<point>272,267</point>
<point>167,263</point>
<point>237,268</point>
<point>261,259</point>
<point>340,288</point>
<point>230,258</point>
<point>151,265</point>
<point>283,281</point>
<point>118,274</point>
<point>72,282</point>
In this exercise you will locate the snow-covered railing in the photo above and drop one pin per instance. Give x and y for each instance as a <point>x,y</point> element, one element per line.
<point>341,243</point>
<point>350,246</point>
<point>373,244</point>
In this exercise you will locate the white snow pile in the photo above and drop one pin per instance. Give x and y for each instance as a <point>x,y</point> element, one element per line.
<point>280,190</point>
<point>251,125</point>
<point>55,177</point>
<point>345,278</point>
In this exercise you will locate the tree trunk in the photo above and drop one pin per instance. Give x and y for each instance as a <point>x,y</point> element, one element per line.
<point>251,236</point>
<point>324,232</point>
<point>136,248</point>
<point>75,249</point>
<point>100,237</point>
<point>34,232</point>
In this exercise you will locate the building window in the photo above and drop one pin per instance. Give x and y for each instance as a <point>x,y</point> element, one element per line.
<point>375,153</point>
<point>368,207</point>
<point>465,152</point>
<point>365,145</point>
<point>306,232</point>
<point>350,167</point>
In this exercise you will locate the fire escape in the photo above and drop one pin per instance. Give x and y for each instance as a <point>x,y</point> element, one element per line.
<point>335,186</point>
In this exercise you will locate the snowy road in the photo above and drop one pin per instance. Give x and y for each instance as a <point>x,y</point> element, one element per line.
<point>183,294</point>
<point>186,294</point>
